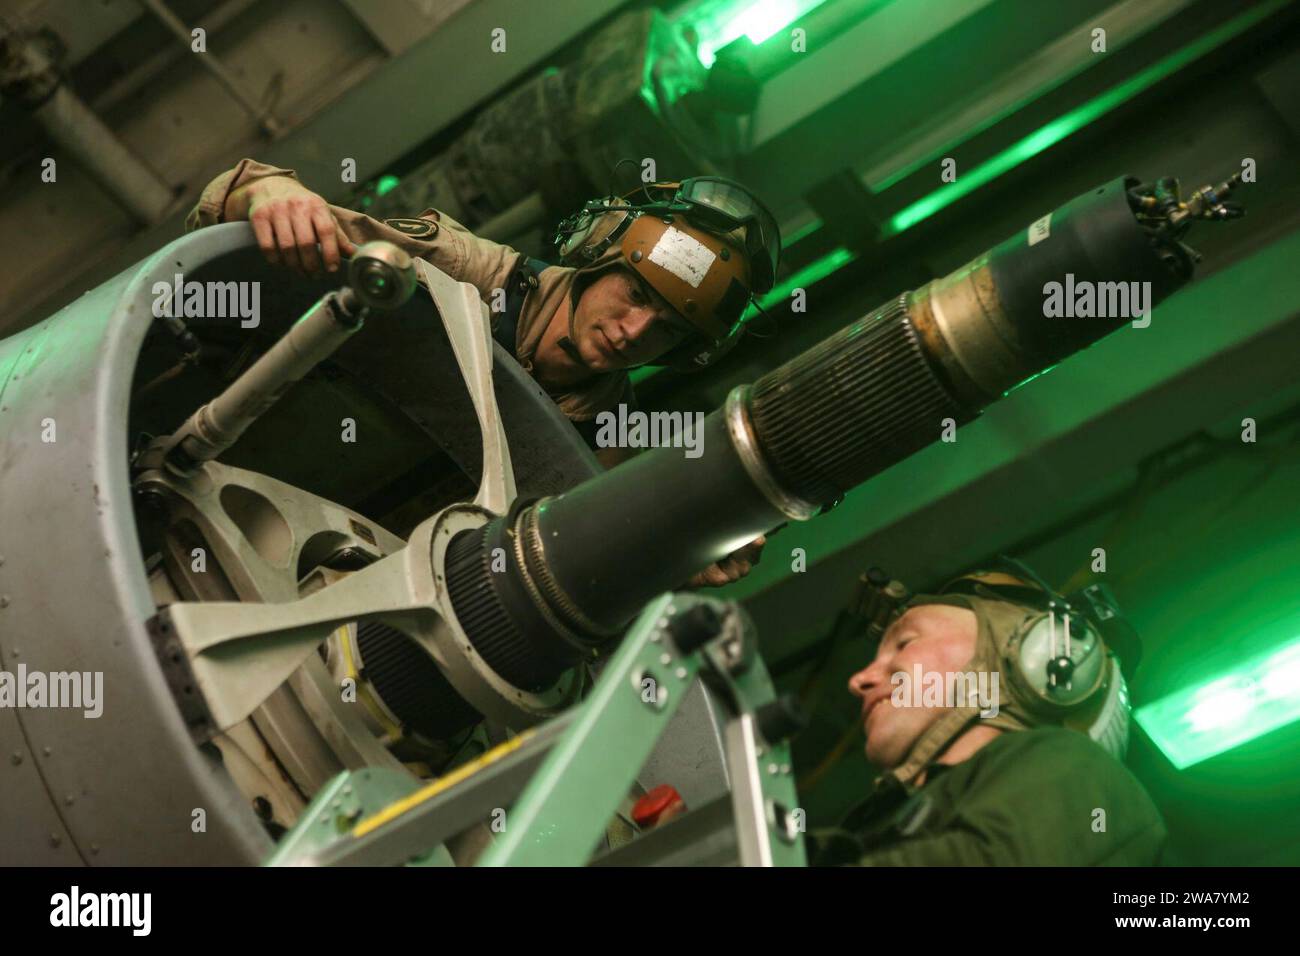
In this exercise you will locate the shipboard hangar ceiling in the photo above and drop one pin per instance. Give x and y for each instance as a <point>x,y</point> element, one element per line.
<point>903,405</point>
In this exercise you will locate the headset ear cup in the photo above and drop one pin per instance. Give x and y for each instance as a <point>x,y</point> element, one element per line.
<point>1109,727</point>
<point>1029,665</point>
<point>588,234</point>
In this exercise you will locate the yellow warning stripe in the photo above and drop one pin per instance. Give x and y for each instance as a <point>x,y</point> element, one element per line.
<point>429,791</point>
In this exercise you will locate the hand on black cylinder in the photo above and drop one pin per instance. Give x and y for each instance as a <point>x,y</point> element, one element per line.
<point>731,568</point>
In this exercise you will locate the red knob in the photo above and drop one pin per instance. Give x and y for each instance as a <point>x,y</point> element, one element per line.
<point>652,806</point>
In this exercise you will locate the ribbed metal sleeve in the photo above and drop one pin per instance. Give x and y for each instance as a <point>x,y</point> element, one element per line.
<point>482,612</point>
<point>410,683</point>
<point>850,407</point>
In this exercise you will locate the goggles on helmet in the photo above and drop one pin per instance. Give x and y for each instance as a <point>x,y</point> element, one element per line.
<point>721,204</point>
<point>711,202</point>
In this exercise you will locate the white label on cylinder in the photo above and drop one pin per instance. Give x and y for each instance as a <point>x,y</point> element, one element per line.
<point>1040,229</point>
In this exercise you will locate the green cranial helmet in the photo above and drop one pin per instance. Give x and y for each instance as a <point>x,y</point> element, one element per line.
<point>1052,667</point>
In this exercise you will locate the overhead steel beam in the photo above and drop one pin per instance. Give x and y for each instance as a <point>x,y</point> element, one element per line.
<point>1056,63</point>
<point>397,25</point>
<point>832,70</point>
<point>430,86</point>
<point>396,108</point>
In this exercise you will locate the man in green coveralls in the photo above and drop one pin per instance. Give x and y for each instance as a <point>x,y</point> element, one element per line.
<point>980,782</point>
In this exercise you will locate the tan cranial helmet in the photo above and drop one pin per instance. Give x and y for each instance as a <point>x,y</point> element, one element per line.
<point>1044,676</point>
<point>706,245</point>
<point>704,277</point>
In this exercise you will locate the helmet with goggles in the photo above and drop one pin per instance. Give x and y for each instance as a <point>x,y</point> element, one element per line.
<point>706,245</point>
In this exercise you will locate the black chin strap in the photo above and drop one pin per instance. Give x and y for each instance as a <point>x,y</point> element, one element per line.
<point>571,350</point>
<point>565,342</point>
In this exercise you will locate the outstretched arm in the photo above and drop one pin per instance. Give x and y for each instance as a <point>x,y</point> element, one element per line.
<point>289,220</point>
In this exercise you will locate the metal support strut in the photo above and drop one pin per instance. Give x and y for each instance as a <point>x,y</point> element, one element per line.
<point>563,781</point>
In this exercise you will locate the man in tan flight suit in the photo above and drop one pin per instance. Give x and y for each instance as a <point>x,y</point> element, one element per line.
<point>578,330</point>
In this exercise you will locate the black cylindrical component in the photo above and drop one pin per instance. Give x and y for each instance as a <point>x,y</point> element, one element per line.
<point>619,539</point>
<point>1070,278</point>
<point>850,407</point>
<point>1093,239</point>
